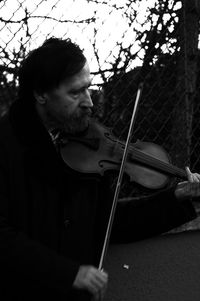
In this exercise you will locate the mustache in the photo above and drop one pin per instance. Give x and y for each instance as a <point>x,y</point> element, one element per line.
<point>87,111</point>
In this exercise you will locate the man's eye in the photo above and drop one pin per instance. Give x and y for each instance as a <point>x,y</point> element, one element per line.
<point>75,93</point>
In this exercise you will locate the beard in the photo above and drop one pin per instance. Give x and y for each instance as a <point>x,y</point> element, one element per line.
<point>77,124</point>
<point>72,124</point>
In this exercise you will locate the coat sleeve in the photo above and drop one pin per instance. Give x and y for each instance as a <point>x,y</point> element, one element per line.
<point>23,259</point>
<point>150,216</point>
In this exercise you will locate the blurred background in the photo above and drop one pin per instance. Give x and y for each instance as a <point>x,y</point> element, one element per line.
<point>126,42</point>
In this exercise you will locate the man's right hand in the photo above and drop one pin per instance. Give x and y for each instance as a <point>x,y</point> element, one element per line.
<point>93,280</point>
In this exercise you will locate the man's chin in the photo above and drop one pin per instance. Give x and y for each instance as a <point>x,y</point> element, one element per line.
<point>80,128</point>
<point>83,127</point>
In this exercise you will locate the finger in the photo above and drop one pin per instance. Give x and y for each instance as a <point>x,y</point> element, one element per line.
<point>189,174</point>
<point>196,190</point>
<point>192,190</point>
<point>99,296</point>
<point>93,289</point>
<point>97,293</point>
<point>101,276</point>
<point>181,184</point>
<point>105,274</point>
<point>103,292</point>
<point>99,284</point>
<point>196,177</point>
<point>95,285</point>
<point>192,177</point>
<point>98,281</point>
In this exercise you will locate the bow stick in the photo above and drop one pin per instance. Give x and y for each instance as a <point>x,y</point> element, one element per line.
<point>118,185</point>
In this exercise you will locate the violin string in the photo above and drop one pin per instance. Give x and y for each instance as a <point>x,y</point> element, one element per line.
<point>148,159</point>
<point>162,166</point>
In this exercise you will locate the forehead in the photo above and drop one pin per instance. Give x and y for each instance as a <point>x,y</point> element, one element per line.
<point>80,79</point>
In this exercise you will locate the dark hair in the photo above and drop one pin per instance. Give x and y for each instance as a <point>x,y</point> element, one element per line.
<point>45,67</point>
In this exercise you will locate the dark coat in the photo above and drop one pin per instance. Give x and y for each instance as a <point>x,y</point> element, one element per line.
<point>53,219</point>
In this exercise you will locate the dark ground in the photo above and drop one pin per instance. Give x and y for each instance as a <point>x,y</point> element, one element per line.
<point>193,225</point>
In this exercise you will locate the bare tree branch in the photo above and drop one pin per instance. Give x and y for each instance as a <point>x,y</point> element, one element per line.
<point>24,20</point>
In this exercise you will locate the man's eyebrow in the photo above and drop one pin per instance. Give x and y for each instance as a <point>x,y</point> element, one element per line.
<point>86,85</point>
<point>81,88</point>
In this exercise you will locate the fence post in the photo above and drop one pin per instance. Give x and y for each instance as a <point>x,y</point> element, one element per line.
<point>186,82</point>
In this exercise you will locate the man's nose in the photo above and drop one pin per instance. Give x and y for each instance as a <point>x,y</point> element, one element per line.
<point>87,100</point>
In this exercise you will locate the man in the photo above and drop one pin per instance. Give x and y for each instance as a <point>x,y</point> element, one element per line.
<point>53,219</point>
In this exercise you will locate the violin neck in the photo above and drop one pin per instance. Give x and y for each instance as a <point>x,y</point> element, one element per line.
<point>170,169</point>
<point>177,172</point>
<point>162,166</point>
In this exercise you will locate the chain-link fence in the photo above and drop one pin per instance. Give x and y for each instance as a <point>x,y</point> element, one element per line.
<point>126,43</point>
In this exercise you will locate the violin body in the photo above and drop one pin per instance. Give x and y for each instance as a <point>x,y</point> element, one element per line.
<point>90,154</point>
<point>143,174</point>
<point>98,151</point>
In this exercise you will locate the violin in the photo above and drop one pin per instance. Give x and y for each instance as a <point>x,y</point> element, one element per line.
<point>147,164</point>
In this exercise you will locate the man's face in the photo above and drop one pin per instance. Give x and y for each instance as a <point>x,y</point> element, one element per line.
<point>69,105</point>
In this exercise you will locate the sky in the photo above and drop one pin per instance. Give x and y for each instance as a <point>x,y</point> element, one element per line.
<point>111,25</point>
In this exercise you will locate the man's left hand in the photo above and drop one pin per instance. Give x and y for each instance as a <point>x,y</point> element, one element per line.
<point>189,189</point>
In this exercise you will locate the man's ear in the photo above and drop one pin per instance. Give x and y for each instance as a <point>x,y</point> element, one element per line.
<point>40,98</point>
